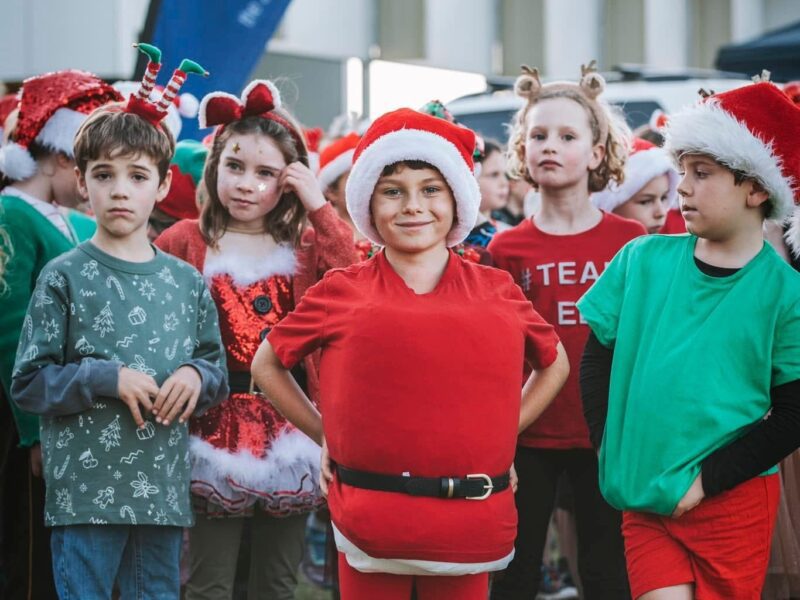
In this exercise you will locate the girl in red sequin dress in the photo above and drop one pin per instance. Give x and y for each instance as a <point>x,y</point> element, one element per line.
<point>258,256</point>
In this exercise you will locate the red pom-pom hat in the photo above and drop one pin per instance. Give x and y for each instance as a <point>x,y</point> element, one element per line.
<point>406,134</point>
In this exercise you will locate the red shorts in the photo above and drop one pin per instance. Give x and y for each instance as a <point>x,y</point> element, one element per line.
<point>355,585</point>
<point>722,545</point>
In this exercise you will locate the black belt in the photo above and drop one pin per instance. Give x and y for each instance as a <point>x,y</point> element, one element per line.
<point>241,382</point>
<point>477,486</point>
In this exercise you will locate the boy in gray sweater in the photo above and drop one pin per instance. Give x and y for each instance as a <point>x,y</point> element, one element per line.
<point>120,346</point>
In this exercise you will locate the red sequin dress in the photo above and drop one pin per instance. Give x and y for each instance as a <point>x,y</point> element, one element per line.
<point>244,451</point>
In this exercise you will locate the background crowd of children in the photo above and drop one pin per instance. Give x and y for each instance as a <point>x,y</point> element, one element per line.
<point>128,404</point>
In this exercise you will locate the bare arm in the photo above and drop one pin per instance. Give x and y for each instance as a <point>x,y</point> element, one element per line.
<point>541,388</point>
<point>286,396</point>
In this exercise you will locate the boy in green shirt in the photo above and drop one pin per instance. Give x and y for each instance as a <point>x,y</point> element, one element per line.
<point>690,377</point>
<point>120,346</point>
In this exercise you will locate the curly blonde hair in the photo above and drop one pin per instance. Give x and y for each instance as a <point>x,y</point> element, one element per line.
<point>607,124</point>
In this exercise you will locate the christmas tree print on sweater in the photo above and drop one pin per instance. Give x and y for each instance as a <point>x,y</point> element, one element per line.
<point>90,315</point>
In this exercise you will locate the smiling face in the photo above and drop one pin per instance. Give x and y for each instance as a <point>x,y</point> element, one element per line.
<point>649,205</point>
<point>122,192</point>
<point>713,205</point>
<point>247,180</point>
<point>559,149</point>
<point>413,209</point>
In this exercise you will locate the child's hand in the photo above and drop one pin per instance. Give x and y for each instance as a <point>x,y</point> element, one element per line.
<point>135,388</point>
<point>691,499</point>
<point>36,460</point>
<point>299,178</point>
<point>179,393</point>
<point>326,470</point>
<point>513,479</point>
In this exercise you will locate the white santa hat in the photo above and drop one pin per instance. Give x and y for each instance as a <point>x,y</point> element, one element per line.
<point>183,106</point>
<point>336,159</point>
<point>646,161</point>
<point>405,135</point>
<point>754,129</point>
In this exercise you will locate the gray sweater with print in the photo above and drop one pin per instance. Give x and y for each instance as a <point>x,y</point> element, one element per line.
<point>90,315</point>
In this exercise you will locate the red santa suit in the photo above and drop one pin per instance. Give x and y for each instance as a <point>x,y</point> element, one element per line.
<point>418,385</point>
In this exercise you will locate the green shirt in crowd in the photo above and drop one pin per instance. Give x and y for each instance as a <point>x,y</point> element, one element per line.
<point>33,241</point>
<point>695,357</point>
<point>91,314</point>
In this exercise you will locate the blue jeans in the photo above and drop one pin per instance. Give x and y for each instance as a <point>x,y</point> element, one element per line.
<point>144,560</point>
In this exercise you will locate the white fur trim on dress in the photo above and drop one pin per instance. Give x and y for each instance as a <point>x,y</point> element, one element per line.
<point>412,144</point>
<point>363,562</point>
<point>639,170</point>
<point>59,131</point>
<point>707,128</point>
<point>244,269</point>
<point>285,481</point>
<point>335,169</point>
<point>16,162</point>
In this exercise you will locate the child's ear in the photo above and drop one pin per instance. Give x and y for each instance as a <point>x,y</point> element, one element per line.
<point>81,181</point>
<point>756,194</point>
<point>163,187</point>
<point>598,154</point>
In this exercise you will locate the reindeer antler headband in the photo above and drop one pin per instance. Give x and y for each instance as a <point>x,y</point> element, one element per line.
<point>259,99</point>
<point>140,103</point>
<point>529,87</point>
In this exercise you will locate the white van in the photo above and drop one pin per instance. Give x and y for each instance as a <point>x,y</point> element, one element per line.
<point>637,90</point>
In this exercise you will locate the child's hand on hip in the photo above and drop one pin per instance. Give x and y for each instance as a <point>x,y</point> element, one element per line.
<point>134,389</point>
<point>179,393</point>
<point>299,179</point>
<point>691,498</point>
<point>325,469</point>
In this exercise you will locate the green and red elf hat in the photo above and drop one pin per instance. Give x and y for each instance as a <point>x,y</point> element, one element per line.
<point>140,103</point>
<point>187,170</point>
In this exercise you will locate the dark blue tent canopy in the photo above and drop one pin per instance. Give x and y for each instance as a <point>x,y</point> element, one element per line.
<point>777,51</point>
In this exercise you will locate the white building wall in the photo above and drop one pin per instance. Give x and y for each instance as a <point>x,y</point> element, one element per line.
<point>459,35</point>
<point>666,33</point>
<point>327,28</point>
<point>37,36</point>
<point>572,35</point>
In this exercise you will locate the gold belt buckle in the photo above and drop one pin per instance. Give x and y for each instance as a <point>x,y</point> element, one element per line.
<point>488,486</point>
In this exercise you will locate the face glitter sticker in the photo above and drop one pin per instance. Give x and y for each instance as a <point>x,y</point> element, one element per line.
<point>262,187</point>
<point>236,148</point>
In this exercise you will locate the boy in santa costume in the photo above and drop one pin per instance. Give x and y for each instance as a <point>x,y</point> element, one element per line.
<point>417,448</point>
<point>649,190</point>
<point>690,458</point>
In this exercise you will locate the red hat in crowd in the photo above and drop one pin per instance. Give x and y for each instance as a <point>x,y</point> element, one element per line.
<point>645,162</point>
<point>754,129</point>
<point>52,107</point>
<point>336,159</point>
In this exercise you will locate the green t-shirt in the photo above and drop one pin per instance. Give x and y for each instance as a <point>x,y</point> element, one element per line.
<point>695,358</point>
